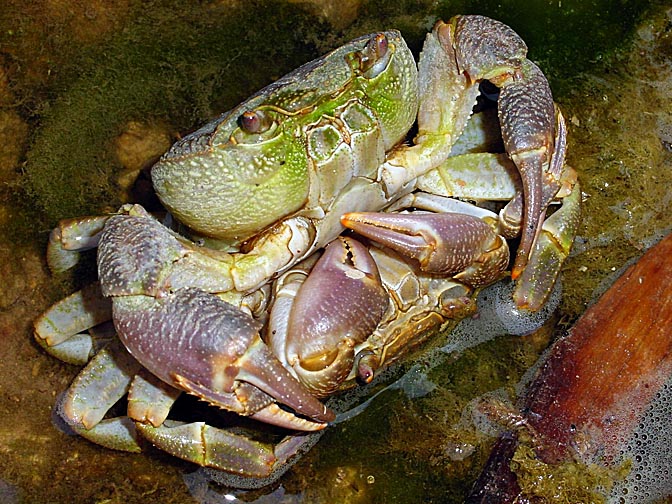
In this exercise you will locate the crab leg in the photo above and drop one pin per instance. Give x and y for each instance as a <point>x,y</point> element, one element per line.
<point>550,250</point>
<point>150,399</point>
<point>526,109</point>
<point>75,313</point>
<point>527,116</point>
<point>149,403</point>
<point>448,243</point>
<point>94,391</point>
<point>208,446</point>
<point>481,176</point>
<point>445,102</point>
<point>71,237</point>
<point>555,235</point>
<point>59,330</point>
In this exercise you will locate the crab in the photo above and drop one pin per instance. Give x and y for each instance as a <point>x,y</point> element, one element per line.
<point>254,301</point>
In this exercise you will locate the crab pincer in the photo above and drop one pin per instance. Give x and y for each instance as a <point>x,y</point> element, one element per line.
<point>486,49</point>
<point>449,244</point>
<point>337,308</point>
<point>489,50</point>
<point>205,346</point>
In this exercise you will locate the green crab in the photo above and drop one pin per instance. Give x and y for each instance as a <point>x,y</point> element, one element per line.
<point>238,305</point>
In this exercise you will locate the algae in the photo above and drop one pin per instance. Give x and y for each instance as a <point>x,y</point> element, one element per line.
<point>565,483</point>
<point>182,69</point>
<point>620,119</point>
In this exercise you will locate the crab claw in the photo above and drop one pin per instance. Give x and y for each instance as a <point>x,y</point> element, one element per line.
<point>200,344</point>
<point>337,307</point>
<point>527,117</point>
<point>446,243</point>
<point>486,49</point>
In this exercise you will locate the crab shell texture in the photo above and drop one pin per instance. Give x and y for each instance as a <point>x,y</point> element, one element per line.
<point>229,180</point>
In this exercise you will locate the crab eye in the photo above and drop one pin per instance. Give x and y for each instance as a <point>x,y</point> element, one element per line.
<point>375,55</point>
<point>379,45</point>
<point>254,121</point>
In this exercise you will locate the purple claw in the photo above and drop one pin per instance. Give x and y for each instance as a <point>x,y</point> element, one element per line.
<point>445,244</point>
<point>262,369</point>
<point>527,118</point>
<point>203,345</point>
<point>486,49</point>
<point>338,306</point>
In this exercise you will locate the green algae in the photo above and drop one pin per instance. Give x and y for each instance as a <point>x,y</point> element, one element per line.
<point>565,483</point>
<point>183,69</point>
<point>620,126</point>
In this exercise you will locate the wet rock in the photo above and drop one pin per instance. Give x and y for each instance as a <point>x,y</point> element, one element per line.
<point>137,148</point>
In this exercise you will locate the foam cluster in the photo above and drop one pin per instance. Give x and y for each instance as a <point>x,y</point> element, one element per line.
<point>498,316</point>
<point>648,449</point>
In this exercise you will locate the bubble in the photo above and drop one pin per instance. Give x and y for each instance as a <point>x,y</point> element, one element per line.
<point>521,322</point>
<point>58,418</point>
<point>650,479</point>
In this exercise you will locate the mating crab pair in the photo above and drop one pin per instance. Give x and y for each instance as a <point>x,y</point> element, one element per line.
<point>262,189</point>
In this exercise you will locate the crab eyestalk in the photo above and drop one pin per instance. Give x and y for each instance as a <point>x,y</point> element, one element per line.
<point>337,307</point>
<point>448,244</point>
